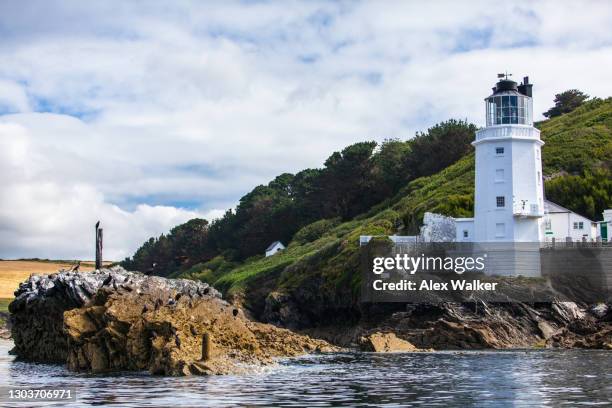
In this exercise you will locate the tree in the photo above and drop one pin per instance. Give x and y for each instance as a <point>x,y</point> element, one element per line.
<point>348,182</point>
<point>441,146</point>
<point>566,102</point>
<point>186,244</point>
<point>587,194</point>
<point>390,166</point>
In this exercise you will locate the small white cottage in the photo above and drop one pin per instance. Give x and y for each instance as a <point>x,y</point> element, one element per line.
<point>561,223</point>
<point>274,248</point>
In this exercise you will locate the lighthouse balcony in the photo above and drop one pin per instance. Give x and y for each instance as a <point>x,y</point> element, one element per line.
<point>508,131</point>
<point>528,211</point>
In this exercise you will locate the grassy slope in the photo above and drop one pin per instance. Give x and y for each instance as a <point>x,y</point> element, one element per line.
<point>331,262</point>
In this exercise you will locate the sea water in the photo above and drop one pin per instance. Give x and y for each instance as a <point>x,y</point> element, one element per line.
<point>463,378</point>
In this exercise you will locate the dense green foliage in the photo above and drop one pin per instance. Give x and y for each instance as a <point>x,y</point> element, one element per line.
<point>314,231</point>
<point>351,182</point>
<point>440,147</point>
<point>588,194</point>
<point>578,141</point>
<point>566,102</point>
<point>184,244</point>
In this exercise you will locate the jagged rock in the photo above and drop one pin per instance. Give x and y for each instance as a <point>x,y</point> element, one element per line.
<point>157,325</point>
<point>568,311</point>
<point>546,329</point>
<point>386,342</point>
<point>485,325</point>
<point>280,309</point>
<point>40,302</point>
<point>600,310</point>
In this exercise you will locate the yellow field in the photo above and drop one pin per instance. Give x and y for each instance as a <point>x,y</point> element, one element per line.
<point>12,273</point>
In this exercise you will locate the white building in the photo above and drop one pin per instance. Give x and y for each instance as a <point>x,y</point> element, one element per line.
<point>464,229</point>
<point>509,196</point>
<point>274,248</point>
<point>560,223</point>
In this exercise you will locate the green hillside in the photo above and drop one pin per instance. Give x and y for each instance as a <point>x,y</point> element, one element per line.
<point>318,273</point>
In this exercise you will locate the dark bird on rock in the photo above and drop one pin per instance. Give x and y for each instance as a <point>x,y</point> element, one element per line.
<point>178,296</point>
<point>107,280</point>
<point>235,312</point>
<point>206,291</point>
<point>193,330</point>
<point>126,279</point>
<point>171,301</point>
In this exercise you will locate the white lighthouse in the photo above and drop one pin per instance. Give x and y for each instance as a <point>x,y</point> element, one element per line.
<point>509,196</point>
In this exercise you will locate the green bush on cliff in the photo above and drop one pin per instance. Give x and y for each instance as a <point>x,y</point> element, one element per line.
<point>314,231</point>
<point>588,194</point>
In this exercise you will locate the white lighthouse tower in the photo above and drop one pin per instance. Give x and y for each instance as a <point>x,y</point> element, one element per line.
<point>509,196</point>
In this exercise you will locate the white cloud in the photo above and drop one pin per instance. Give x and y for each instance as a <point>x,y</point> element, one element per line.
<point>13,97</point>
<point>161,113</point>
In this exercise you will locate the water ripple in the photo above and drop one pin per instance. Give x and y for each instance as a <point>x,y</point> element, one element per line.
<point>474,378</point>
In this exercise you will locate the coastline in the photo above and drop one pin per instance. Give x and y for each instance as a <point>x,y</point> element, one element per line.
<point>114,320</point>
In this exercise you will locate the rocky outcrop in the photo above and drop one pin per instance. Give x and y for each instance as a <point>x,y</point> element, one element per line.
<point>504,325</point>
<point>112,320</point>
<point>386,342</point>
<point>480,325</point>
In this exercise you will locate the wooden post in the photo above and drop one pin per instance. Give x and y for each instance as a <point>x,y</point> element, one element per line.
<point>98,246</point>
<point>206,347</point>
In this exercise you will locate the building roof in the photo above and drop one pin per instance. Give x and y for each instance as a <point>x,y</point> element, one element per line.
<point>553,208</point>
<point>509,87</point>
<point>272,245</point>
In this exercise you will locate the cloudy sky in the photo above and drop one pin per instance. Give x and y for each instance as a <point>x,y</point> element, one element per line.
<point>146,114</point>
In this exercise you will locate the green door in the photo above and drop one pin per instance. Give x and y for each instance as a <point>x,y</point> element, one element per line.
<point>604,231</point>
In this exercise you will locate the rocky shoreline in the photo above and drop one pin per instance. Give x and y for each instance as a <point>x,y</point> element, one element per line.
<point>479,325</point>
<point>114,320</point>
